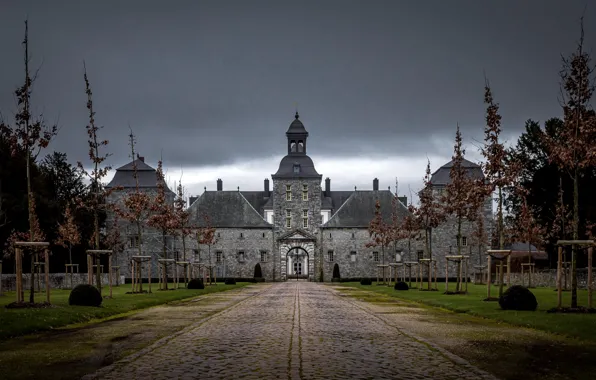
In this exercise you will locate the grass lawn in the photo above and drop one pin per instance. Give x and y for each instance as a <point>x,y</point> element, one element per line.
<point>15,322</point>
<point>582,326</point>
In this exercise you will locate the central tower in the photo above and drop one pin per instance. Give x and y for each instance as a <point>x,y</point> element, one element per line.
<point>296,199</point>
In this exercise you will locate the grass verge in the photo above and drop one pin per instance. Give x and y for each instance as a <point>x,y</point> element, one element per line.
<point>580,326</point>
<point>17,322</point>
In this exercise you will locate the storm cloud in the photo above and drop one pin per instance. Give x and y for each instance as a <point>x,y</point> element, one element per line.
<point>215,83</point>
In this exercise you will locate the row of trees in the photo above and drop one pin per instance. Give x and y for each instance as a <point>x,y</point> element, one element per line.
<point>73,213</point>
<point>536,184</point>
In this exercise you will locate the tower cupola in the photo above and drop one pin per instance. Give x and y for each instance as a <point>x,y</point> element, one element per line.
<point>297,136</point>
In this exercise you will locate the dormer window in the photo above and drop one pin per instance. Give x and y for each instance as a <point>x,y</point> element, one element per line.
<point>296,168</point>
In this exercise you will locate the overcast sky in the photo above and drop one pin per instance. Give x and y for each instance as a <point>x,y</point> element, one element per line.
<point>213,85</point>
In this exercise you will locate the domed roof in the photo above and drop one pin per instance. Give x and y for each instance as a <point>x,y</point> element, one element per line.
<point>297,126</point>
<point>296,167</point>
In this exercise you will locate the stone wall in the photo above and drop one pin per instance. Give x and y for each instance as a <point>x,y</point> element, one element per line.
<point>240,251</point>
<point>346,241</point>
<point>297,205</point>
<point>57,280</point>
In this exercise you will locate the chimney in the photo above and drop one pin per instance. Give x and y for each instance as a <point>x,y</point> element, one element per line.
<point>376,184</point>
<point>327,187</point>
<point>191,200</point>
<point>403,200</point>
<point>219,185</point>
<point>267,193</point>
<point>142,159</point>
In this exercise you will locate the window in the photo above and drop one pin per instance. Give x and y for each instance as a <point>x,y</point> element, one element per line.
<point>293,146</point>
<point>288,218</point>
<point>218,234</point>
<point>353,256</point>
<point>218,256</point>
<point>241,257</point>
<point>352,235</point>
<point>304,192</point>
<point>329,255</point>
<point>263,234</point>
<point>241,235</point>
<point>300,146</point>
<point>464,241</point>
<point>263,256</point>
<point>133,241</point>
<point>420,255</point>
<point>288,192</point>
<point>376,256</point>
<point>296,168</point>
<point>304,218</point>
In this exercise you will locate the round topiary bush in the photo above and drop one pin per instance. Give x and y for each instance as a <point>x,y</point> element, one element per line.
<point>230,281</point>
<point>518,298</point>
<point>401,286</point>
<point>85,295</point>
<point>196,283</point>
<point>366,281</point>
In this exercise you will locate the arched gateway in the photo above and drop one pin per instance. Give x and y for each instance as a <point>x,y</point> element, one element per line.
<point>297,252</point>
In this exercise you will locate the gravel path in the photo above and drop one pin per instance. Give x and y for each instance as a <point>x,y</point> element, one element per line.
<point>294,330</point>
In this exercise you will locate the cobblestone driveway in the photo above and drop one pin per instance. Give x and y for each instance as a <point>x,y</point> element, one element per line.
<point>294,330</point>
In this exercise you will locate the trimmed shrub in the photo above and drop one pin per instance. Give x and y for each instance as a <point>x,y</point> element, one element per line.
<point>85,295</point>
<point>196,283</point>
<point>336,271</point>
<point>258,272</point>
<point>230,281</point>
<point>401,286</point>
<point>366,281</point>
<point>518,298</point>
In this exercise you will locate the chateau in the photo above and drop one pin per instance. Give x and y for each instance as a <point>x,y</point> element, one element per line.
<point>295,228</point>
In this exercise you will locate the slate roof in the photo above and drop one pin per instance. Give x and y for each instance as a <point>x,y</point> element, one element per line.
<point>286,167</point>
<point>226,209</point>
<point>520,250</point>
<point>146,175</point>
<point>297,127</point>
<point>441,176</point>
<point>359,209</point>
<point>258,200</point>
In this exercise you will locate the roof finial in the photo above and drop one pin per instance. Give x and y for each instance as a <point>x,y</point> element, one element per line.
<point>296,116</point>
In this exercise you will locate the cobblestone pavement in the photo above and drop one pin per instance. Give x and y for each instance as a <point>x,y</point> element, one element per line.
<point>294,330</point>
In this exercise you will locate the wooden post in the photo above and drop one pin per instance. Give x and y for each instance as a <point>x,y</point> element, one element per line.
<point>590,277</point>
<point>467,276</point>
<point>435,271</point>
<point>19,270</point>
<point>47,269</point>
<point>133,273</point>
<point>150,269</point>
<point>110,274</point>
<point>488,277</point>
<point>89,270</point>
<point>509,270</point>
<point>522,276</point>
<point>446,275</point>
<point>559,267</point>
<point>1,278</point>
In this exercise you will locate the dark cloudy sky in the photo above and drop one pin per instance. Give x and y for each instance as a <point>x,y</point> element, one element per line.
<point>380,84</point>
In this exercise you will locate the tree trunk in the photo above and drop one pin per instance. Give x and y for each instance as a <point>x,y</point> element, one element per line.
<point>165,256</point>
<point>140,275</point>
<point>98,269</point>
<point>575,237</point>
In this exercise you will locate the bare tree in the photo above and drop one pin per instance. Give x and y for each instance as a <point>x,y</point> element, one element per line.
<point>575,151</point>
<point>28,136</point>
<point>95,201</point>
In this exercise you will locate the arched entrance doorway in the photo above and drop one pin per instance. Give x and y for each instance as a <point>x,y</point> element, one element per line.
<point>297,263</point>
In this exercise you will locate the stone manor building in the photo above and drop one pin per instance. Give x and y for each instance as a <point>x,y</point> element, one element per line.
<point>296,226</point>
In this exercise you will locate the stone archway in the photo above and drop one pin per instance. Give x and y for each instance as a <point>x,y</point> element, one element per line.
<point>290,250</point>
<point>297,263</point>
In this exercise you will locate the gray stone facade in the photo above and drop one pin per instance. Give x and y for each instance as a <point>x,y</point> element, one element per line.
<point>252,226</point>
